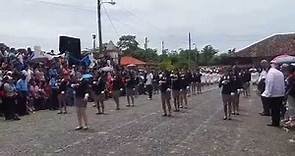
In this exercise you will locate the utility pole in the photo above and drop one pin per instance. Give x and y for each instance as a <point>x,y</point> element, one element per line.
<point>99,3</point>
<point>145,43</point>
<point>94,37</point>
<point>190,48</point>
<point>189,41</point>
<point>197,53</point>
<point>99,25</point>
<point>163,48</point>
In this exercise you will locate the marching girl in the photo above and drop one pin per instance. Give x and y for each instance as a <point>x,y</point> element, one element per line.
<point>237,86</point>
<point>116,84</point>
<point>184,86</point>
<point>99,88</point>
<point>227,93</point>
<point>130,89</point>
<point>165,94</point>
<point>175,80</point>
<point>62,96</point>
<point>82,96</point>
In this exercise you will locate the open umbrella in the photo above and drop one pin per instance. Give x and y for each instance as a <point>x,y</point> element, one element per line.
<point>131,65</point>
<point>107,69</point>
<point>87,76</point>
<point>284,59</point>
<point>39,59</point>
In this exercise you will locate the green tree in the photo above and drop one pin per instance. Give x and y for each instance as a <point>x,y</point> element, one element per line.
<point>128,43</point>
<point>207,54</point>
<point>166,64</point>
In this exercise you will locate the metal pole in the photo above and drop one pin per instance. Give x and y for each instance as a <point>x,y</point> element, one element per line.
<point>99,26</point>
<point>190,48</point>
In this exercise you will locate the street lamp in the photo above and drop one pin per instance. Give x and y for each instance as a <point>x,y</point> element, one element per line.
<point>99,3</point>
<point>93,38</point>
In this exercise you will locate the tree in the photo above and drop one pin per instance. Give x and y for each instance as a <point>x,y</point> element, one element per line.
<point>208,52</point>
<point>128,43</point>
<point>166,64</point>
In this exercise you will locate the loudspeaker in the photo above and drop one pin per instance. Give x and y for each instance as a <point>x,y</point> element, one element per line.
<point>72,47</point>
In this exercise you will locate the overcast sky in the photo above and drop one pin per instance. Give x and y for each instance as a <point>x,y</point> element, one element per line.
<point>222,23</point>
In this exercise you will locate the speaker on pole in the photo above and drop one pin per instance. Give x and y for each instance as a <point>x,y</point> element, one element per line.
<point>72,48</point>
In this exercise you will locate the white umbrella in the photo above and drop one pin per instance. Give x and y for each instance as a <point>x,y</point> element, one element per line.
<point>284,59</point>
<point>106,69</point>
<point>131,65</point>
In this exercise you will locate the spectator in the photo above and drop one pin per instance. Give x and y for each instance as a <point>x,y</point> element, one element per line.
<point>274,92</point>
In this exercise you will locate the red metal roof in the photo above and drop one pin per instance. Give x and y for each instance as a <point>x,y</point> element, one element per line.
<point>127,60</point>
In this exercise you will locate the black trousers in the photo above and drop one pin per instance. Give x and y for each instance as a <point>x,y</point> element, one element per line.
<point>9,107</point>
<point>22,103</point>
<point>53,102</point>
<point>150,90</point>
<point>275,104</point>
<point>266,106</point>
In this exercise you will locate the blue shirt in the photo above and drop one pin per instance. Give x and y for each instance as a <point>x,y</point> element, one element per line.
<point>52,73</point>
<point>53,83</point>
<point>22,85</point>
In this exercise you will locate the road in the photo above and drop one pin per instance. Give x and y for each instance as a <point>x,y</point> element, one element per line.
<point>142,130</point>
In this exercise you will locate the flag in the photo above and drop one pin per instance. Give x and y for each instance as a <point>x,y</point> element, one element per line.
<point>86,60</point>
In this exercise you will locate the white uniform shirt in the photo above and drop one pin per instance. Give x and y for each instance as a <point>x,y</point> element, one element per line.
<point>149,79</point>
<point>262,76</point>
<point>274,84</point>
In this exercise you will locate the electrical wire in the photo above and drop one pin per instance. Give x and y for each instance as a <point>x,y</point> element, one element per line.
<point>76,7</point>
<point>141,19</point>
<point>110,20</point>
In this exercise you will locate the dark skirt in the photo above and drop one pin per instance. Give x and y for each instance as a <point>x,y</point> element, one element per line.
<point>129,92</point>
<point>81,102</point>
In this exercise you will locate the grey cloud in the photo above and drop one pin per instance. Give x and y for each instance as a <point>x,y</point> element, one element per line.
<point>224,24</point>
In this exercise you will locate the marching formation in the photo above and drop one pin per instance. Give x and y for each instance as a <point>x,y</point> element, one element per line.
<point>27,87</point>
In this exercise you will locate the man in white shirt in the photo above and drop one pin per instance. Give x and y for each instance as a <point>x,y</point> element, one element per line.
<point>274,92</point>
<point>148,83</point>
<point>261,87</point>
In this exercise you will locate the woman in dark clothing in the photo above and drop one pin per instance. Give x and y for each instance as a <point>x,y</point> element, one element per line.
<point>175,91</point>
<point>9,104</point>
<point>227,92</point>
<point>165,94</point>
<point>81,103</point>
<point>53,102</point>
<point>184,86</point>
<point>62,96</point>
<point>237,86</point>
<point>116,90</point>
<point>130,89</point>
<point>99,88</point>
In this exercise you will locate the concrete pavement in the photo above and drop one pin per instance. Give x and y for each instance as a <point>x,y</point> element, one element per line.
<point>142,130</point>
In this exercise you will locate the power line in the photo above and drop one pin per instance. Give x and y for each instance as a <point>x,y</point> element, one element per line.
<point>77,7</point>
<point>141,18</point>
<point>110,20</point>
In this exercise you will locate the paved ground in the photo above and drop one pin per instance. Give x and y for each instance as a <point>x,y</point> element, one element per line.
<point>199,130</point>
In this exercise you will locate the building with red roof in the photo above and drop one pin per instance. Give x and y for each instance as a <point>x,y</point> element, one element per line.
<point>128,60</point>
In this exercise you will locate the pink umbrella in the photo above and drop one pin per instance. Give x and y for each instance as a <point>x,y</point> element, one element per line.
<point>284,59</point>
